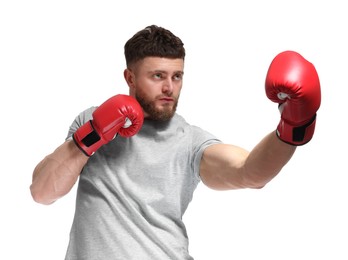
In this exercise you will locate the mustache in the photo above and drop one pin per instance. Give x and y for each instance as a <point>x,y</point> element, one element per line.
<point>166,96</point>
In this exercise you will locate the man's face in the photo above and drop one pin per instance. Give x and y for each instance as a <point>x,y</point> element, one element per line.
<point>156,84</point>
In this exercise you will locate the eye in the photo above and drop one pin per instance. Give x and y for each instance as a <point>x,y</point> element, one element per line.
<point>157,76</point>
<point>178,76</point>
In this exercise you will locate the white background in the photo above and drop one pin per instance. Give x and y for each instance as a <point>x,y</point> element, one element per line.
<point>60,57</point>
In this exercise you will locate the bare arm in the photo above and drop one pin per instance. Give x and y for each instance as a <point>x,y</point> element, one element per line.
<point>57,173</point>
<point>225,167</point>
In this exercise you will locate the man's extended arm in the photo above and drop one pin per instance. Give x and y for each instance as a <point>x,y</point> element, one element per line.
<point>225,167</point>
<point>293,83</point>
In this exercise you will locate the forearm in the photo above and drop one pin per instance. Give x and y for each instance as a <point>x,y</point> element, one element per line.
<point>266,160</point>
<point>57,173</point>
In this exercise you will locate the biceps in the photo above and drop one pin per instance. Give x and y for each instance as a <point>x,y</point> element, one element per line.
<point>222,167</point>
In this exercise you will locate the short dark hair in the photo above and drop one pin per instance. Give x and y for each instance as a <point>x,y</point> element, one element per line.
<point>153,41</point>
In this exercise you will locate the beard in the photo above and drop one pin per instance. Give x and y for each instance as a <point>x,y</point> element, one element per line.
<point>158,114</point>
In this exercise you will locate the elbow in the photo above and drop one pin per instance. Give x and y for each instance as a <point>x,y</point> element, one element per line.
<point>39,197</point>
<point>254,185</point>
<point>255,182</point>
<point>258,184</point>
<point>258,187</point>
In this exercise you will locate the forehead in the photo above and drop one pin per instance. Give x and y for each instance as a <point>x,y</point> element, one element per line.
<point>160,64</point>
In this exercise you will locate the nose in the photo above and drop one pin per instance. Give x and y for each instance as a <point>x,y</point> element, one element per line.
<point>168,87</point>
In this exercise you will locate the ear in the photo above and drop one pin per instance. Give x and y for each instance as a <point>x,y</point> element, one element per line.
<point>129,77</point>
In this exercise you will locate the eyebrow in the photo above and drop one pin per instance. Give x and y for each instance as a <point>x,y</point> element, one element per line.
<point>166,72</point>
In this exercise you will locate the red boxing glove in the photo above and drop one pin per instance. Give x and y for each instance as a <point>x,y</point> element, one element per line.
<point>108,120</point>
<point>293,82</point>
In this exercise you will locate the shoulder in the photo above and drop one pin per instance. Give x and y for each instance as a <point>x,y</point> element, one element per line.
<point>199,137</point>
<point>197,132</point>
<point>85,115</point>
<point>79,120</point>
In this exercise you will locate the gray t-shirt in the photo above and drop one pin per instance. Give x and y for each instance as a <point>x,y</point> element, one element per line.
<point>133,192</point>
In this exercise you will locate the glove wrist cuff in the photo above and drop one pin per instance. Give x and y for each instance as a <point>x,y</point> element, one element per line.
<point>87,139</point>
<point>296,135</point>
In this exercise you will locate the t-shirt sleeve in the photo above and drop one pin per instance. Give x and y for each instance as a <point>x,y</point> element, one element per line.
<point>82,118</point>
<point>201,140</point>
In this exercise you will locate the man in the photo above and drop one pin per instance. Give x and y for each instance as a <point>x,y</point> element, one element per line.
<point>138,162</point>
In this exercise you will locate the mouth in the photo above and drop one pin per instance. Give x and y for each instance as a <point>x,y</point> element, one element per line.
<point>167,99</point>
